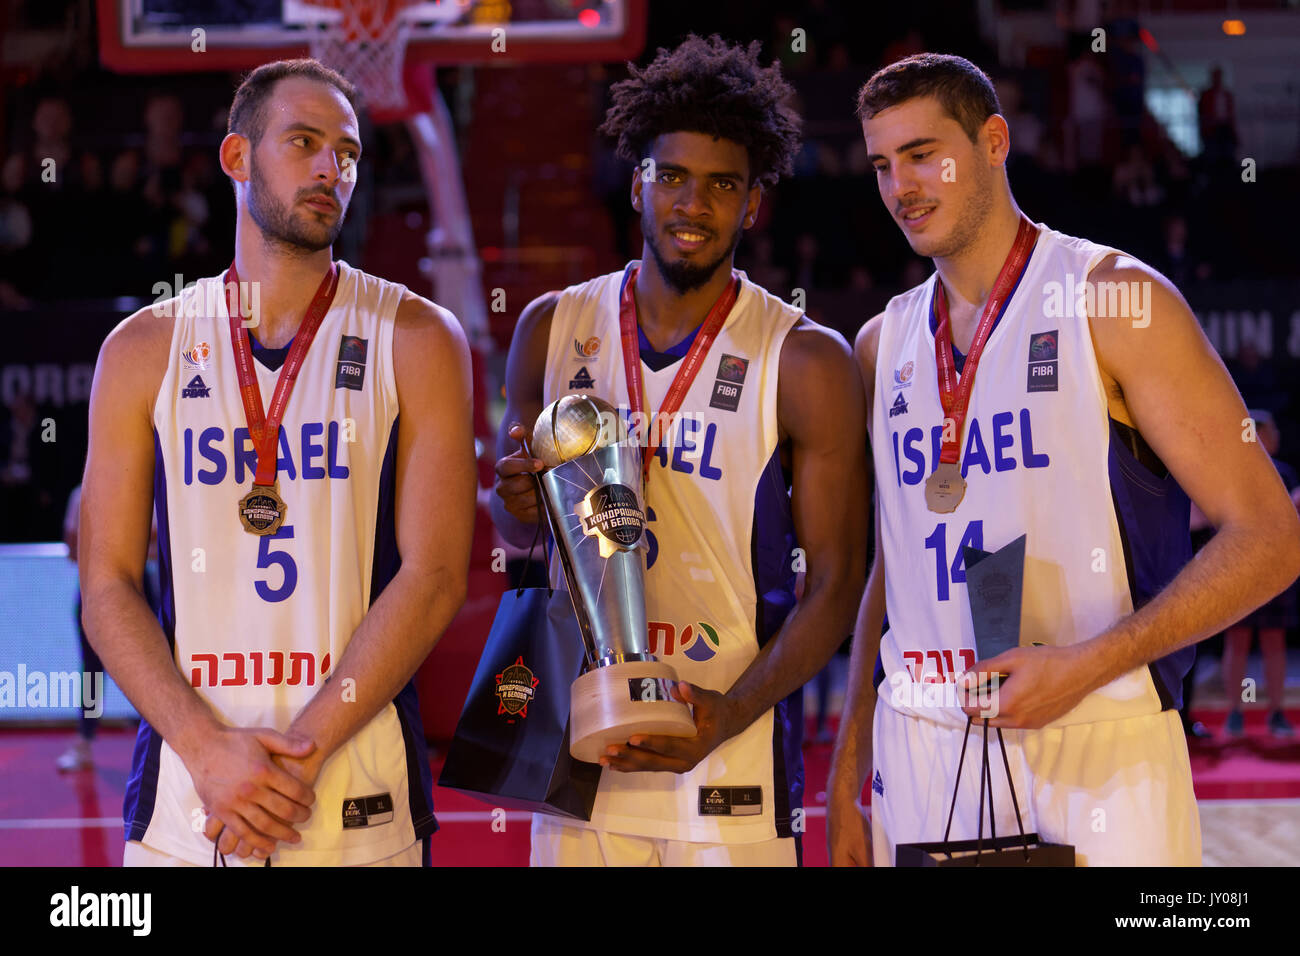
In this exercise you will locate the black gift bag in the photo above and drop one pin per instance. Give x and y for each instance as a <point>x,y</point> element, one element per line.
<point>1026,849</point>
<point>511,746</point>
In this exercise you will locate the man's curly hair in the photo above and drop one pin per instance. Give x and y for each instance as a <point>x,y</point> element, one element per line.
<point>708,86</point>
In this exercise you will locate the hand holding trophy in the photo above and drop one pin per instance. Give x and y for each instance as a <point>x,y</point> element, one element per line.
<point>593,497</point>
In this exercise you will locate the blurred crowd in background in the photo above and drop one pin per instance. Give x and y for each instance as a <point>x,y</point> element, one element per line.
<point>137,196</point>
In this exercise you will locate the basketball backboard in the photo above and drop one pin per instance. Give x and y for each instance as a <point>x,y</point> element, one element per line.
<point>162,36</point>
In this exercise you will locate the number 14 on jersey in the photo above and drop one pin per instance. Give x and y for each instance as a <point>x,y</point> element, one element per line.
<point>952,570</point>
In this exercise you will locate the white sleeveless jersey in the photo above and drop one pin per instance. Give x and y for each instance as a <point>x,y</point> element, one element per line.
<point>256,623</point>
<point>719,579</point>
<point>1038,460</point>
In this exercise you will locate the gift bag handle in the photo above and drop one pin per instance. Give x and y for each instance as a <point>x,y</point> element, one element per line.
<point>546,552</point>
<point>986,780</point>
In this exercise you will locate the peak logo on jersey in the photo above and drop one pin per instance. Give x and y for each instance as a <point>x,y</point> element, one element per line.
<point>368,811</point>
<point>351,371</point>
<point>903,376</point>
<point>515,688</point>
<point>727,387</point>
<point>582,380</point>
<point>730,801</point>
<point>197,357</point>
<point>698,642</point>
<point>878,784</point>
<point>1042,362</point>
<point>588,350</point>
<point>899,407</point>
<point>196,389</point>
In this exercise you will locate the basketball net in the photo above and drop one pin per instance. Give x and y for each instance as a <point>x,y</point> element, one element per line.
<point>368,46</point>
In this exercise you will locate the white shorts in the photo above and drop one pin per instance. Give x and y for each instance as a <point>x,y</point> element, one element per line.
<point>1119,791</point>
<point>137,854</point>
<point>556,843</point>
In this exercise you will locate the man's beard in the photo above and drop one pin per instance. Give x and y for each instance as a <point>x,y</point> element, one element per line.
<point>970,223</point>
<point>682,276</point>
<point>280,227</point>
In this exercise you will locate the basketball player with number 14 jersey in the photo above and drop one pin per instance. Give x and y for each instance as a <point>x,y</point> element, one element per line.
<point>1008,399</point>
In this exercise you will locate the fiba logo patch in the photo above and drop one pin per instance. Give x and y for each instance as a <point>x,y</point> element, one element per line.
<point>731,378</point>
<point>515,688</point>
<point>197,357</point>
<point>903,376</point>
<point>351,372</point>
<point>588,350</point>
<point>1042,362</point>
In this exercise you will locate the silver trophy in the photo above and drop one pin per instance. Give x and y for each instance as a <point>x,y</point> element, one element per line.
<point>593,496</point>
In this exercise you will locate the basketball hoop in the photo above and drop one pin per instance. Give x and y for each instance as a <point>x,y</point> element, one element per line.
<point>367,44</point>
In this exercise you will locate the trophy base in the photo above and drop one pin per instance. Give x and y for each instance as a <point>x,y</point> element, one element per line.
<point>610,704</point>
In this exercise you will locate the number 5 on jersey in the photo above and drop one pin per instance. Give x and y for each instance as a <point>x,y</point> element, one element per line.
<point>266,557</point>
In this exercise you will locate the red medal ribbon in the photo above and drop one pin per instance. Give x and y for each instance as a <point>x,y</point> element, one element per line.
<point>690,367</point>
<point>954,396</point>
<point>265,428</point>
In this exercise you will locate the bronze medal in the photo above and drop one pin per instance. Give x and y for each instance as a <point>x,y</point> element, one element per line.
<point>945,488</point>
<point>261,511</point>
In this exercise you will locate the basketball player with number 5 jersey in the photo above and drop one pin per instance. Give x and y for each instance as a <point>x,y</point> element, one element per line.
<point>304,432</point>
<point>1044,386</point>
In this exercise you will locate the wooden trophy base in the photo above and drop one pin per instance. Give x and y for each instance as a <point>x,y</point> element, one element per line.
<point>610,704</point>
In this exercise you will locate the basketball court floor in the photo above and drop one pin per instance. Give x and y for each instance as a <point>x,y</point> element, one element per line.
<point>1248,790</point>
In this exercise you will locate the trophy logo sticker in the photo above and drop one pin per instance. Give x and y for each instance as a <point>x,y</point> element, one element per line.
<point>515,688</point>
<point>610,514</point>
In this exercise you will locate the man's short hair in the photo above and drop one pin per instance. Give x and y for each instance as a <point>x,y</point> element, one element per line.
<point>710,87</point>
<point>962,89</point>
<point>248,110</point>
